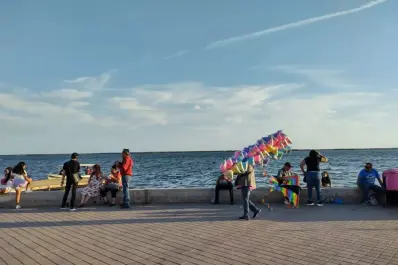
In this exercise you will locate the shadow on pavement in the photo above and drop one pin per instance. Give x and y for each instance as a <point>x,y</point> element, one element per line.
<point>190,213</point>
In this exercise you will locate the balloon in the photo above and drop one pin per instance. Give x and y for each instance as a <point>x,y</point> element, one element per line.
<point>256,149</point>
<point>262,147</point>
<point>273,146</point>
<point>236,169</point>
<point>270,149</point>
<point>241,167</point>
<point>229,174</point>
<point>258,159</point>
<point>223,166</point>
<point>229,164</point>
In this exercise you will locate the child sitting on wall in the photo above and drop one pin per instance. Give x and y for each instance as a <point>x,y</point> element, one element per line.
<point>326,181</point>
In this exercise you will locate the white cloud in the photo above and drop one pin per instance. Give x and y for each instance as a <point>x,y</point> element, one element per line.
<point>78,104</point>
<point>324,76</point>
<point>257,34</point>
<point>195,116</point>
<point>145,114</point>
<point>93,83</point>
<point>68,94</point>
<point>175,55</point>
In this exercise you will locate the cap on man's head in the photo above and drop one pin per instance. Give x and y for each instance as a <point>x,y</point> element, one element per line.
<point>287,164</point>
<point>74,155</point>
<point>126,151</point>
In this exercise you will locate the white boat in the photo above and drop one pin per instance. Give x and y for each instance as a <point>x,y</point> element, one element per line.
<point>85,170</point>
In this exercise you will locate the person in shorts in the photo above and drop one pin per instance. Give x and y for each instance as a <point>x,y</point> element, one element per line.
<point>20,180</point>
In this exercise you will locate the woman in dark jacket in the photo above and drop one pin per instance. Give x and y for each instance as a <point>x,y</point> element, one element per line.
<point>313,175</point>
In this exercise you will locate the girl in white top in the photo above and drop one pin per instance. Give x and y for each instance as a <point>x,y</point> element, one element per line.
<point>6,182</point>
<point>20,180</point>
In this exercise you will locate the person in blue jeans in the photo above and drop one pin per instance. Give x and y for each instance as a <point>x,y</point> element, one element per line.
<point>366,182</point>
<point>126,170</point>
<point>312,174</point>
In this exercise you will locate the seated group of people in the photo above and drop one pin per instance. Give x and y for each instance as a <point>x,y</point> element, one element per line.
<point>365,182</point>
<point>98,185</point>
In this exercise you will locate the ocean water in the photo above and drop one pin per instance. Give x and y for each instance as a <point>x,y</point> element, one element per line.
<point>200,169</point>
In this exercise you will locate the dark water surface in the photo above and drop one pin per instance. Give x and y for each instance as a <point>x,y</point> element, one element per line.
<point>200,169</point>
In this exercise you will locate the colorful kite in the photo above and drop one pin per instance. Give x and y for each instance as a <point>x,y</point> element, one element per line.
<point>290,189</point>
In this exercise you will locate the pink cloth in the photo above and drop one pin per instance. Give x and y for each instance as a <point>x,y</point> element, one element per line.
<point>391,178</point>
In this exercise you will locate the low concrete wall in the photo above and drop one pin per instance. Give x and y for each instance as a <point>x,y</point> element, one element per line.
<point>183,195</point>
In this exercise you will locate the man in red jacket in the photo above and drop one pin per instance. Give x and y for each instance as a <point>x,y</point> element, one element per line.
<point>126,170</point>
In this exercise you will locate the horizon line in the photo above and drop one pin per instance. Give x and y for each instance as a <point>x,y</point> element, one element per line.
<point>202,151</point>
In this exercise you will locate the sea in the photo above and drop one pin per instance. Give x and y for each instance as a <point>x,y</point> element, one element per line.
<point>201,169</point>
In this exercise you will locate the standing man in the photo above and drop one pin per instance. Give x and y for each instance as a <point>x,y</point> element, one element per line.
<point>126,170</point>
<point>69,169</point>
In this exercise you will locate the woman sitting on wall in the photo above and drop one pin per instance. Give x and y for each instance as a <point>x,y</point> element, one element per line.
<point>6,182</point>
<point>93,187</point>
<point>113,184</point>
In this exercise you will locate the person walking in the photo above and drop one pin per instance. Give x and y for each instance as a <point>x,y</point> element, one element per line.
<point>312,174</point>
<point>69,170</point>
<point>126,170</point>
<point>246,182</point>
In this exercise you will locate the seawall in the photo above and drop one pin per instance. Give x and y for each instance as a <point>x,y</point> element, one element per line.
<point>180,195</point>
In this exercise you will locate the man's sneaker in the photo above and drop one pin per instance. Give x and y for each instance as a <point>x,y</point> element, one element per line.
<point>319,204</point>
<point>72,209</point>
<point>310,203</point>
<point>367,203</point>
<point>244,218</point>
<point>255,214</point>
<point>18,206</point>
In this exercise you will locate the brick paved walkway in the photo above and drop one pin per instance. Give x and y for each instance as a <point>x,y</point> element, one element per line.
<point>200,234</point>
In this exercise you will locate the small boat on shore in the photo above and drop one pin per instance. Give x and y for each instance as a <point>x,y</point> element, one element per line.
<point>86,170</point>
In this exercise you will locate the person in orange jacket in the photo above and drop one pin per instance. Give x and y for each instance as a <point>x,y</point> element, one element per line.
<point>126,170</point>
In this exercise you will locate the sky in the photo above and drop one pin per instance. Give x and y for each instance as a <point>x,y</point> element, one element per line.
<point>177,75</point>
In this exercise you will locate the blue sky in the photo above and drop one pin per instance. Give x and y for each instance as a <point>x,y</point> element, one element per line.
<point>196,75</point>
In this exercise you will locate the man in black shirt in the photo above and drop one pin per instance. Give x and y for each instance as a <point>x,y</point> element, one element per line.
<point>71,167</point>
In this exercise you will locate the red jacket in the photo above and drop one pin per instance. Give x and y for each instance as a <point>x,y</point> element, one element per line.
<point>127,167</point>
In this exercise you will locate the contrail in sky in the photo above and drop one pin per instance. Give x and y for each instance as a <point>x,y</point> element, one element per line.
<point>257,34</point>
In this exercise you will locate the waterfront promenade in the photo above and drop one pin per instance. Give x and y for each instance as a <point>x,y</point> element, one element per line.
<point>200,234</point>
